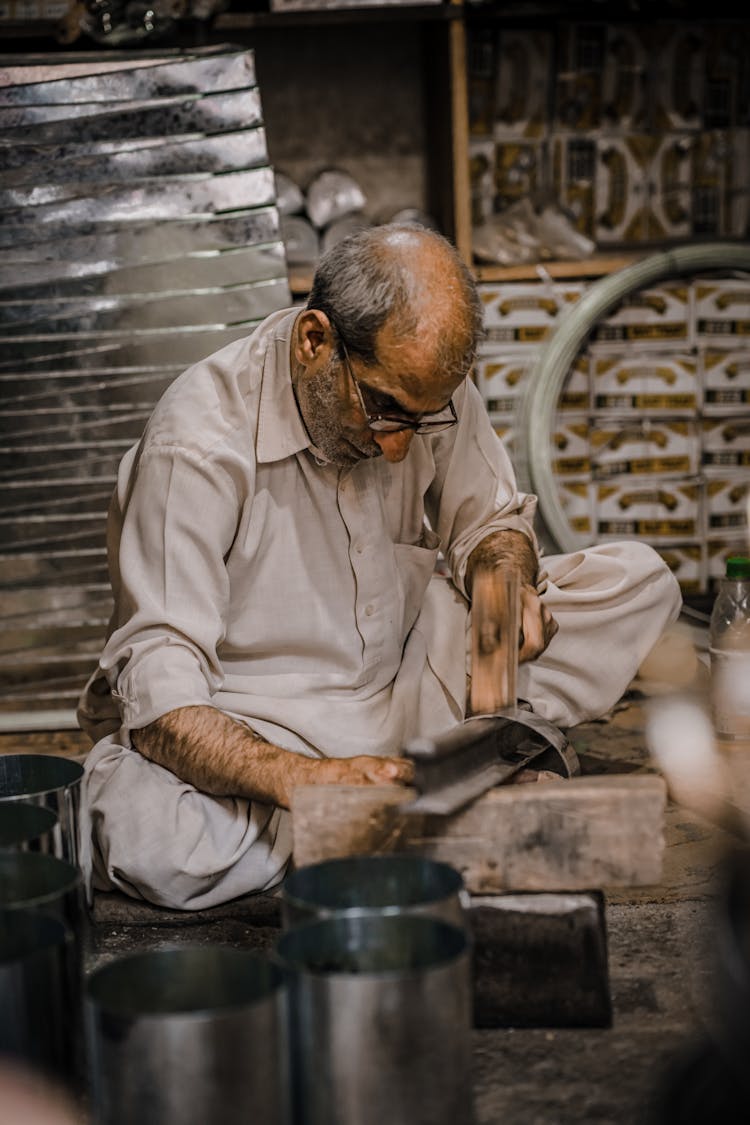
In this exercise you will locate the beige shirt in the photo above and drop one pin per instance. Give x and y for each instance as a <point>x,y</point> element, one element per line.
<point>252,577</point>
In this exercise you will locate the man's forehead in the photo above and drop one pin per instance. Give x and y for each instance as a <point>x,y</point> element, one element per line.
<point>409,369</point>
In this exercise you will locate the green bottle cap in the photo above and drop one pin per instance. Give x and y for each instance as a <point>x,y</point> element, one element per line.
<point>738,567</point>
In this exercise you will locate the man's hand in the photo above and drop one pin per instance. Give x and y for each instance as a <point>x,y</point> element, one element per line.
<point>365,769</point>
<point>538,626</point>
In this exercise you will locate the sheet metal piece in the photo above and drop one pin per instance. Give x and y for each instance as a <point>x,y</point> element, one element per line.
<point>181,344</point>
<point>156,200</point>
<point>101,247</point>
<point>138,313</point>
<point>228,71</point>
<point>111,127</point>
<point>202,271</point>
<point>138,233</point>
<point>454,768</point>
<point>226,152</point>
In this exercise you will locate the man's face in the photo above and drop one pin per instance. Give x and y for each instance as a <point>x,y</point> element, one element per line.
<point>404,381</point>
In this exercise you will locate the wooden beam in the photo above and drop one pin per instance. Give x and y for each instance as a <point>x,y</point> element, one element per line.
<point>584,833</point>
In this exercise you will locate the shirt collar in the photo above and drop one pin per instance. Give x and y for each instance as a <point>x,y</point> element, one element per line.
<point>281,432</point>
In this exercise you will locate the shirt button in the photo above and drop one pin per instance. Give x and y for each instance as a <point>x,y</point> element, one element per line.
<point>359,548</point>
<point>369,610</point>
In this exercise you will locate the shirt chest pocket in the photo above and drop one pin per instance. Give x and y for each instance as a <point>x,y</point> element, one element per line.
<point>415,566</point>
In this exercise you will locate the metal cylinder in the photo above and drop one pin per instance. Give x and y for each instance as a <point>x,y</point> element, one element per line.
<point>389,884</point>
<point>34,991</point>
<point>53,782</point>
<point>27,828</point>
<point>31,882</point>
<point>379,1020</point>
<point>190,1035</point>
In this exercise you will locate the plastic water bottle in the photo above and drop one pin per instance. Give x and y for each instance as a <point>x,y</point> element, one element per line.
<point>729,643</point>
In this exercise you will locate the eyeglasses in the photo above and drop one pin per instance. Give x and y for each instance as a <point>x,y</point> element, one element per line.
<point>391,421</point>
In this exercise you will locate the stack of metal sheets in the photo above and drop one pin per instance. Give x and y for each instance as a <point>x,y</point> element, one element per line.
<point>138,233</point>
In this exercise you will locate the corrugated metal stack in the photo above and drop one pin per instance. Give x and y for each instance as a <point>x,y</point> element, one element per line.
<point>138,233</point>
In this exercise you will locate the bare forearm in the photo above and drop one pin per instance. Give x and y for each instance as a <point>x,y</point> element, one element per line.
<point>224,758</point>
<point>217,755</point>
<point>504,549</point>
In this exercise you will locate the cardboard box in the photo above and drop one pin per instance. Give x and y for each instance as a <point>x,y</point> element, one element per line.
<point>571,450</point>
<point>573,175</point>
<point>580,65</point>
<point>726,381</point>
<point>575,395</point>
<point>670,187</point>
<point>668,448</point>
<point>725,506</point>
<point>721,311</point>
<point>654,317</point>
<point>726,444</point>
<point>678,79</point>
<point>506,429</point>
<point>650,383</point>
<point>623,168</point>
<point>659,511</point>
<point>503,379</point>
<point>719,176</point>
<point>524,76</point>
<point>686,562</point>
<point>524,312</point>
<point>519,171</point>
<point>625,104</point>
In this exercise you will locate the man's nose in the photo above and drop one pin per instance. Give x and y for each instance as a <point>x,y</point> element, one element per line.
<point>394,445</point>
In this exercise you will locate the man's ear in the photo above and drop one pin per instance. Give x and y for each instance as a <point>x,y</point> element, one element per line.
<point>313,338</point>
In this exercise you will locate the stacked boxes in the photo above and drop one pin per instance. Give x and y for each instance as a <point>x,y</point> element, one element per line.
<point>639,132</point>
<point>651,437</point>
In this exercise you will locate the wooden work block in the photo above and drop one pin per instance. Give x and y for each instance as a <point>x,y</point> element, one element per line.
<point>577,834</point>
<point>540,960</point>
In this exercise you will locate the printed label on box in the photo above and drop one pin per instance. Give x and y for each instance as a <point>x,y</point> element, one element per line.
<point>726,505</point>
<point>571,452</point>
<point>661,511</point>
<point>524,312</point>
<point>503,379</point>
<point>722,310</point>
<point>650,316</point>
<point>645,383</point>
<point>726,443</point>
<point>665,447</point>
<point>622,188</point>
<point>726,381</point>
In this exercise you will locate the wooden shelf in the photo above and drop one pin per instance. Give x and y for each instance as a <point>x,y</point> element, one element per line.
<point>598,266</point>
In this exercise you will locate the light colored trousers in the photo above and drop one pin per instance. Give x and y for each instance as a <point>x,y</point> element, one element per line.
<point>157,838</point>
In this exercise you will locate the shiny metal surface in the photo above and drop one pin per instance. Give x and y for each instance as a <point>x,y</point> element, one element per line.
<point>389,884</point>
<point>26,828</point>
<point>380,1021</point>
<point>33,991</point>
<point>138,233</point>
<point>190,1035</point>
<point>53,782</point>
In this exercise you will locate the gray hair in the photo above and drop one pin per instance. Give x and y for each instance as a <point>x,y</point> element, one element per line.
<point>359,287</point>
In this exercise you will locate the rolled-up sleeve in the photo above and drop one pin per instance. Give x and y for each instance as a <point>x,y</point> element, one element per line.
<point>177,517</point>
<point>475,491</point>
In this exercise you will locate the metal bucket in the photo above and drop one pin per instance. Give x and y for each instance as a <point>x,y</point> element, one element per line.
<point>379,1020</point>
<point>27,828</point>
<point>388,884</point>
<point>191,1035</point>
<point>51,781</point>
<point>34,994</point>
<point>44,885</point>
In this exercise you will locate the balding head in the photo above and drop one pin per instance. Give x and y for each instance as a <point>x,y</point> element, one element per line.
<point>408,278</point>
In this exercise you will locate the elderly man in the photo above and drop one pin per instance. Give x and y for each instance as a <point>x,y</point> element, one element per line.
<point>273,544</point>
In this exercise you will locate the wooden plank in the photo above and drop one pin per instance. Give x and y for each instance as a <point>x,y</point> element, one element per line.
<point>584,833</point>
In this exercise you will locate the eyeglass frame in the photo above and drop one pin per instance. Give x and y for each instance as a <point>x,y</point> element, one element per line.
<point>380,422</point>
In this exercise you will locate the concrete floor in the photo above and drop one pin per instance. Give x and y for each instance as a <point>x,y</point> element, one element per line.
<point>660,942</point>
